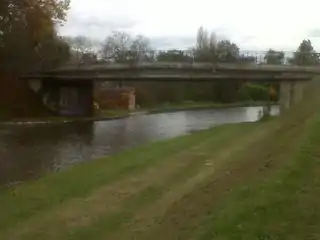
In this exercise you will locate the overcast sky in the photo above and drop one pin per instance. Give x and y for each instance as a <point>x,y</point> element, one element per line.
<point>252,24</point>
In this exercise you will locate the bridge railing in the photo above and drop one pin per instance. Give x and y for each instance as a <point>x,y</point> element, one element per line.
<point>179,62</point>
<point>226,56</point>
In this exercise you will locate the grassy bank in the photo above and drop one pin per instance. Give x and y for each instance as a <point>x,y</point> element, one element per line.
<point>135,177</point>
<point>239,181</point>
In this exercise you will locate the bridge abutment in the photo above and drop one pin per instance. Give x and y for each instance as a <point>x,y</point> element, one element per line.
<point>297,92</point>
<point>290,93</point>
<point>65,98</point>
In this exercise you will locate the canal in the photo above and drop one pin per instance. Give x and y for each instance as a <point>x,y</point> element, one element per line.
<point>28,152</point>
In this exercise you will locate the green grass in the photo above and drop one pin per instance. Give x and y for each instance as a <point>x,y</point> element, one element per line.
<point>283,206</point>
<point>27,200</point>
<point>238,181</point>
<point>113,113</point>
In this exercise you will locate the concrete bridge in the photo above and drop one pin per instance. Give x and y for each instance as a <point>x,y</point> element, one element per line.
<point>71,87</point>
<point>179,71</point>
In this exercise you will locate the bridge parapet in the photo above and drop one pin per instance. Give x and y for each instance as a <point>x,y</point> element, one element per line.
<point>189,67</point>
<point>180,72</point>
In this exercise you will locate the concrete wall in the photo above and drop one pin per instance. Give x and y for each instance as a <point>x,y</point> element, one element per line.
<point>116,98</point>
<point>297,92</point>
<point>290,93</point>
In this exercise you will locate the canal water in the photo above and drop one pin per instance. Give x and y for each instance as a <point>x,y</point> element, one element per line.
<point>27,152</point>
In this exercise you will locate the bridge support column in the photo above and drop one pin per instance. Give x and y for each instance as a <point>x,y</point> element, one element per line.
<point>290,93</point>
<point>284,97</point>
<point>297,92</point>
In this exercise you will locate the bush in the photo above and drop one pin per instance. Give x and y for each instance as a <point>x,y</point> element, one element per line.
<point>253,92</point>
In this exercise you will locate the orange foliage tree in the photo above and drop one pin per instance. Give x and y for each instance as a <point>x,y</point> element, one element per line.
<point>28,39</point>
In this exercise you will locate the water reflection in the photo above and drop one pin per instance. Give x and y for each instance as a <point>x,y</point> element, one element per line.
<point>27,152</point>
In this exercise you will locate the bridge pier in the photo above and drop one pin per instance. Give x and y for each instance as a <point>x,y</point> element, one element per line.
<point>297,92</point>
<point>291,92</point>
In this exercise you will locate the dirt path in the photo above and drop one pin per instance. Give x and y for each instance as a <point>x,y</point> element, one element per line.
<point>149,217</point>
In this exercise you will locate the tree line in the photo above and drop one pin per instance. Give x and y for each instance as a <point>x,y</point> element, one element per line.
<point>121,47</point>
<point>29,41</point>
<point>304,55</point>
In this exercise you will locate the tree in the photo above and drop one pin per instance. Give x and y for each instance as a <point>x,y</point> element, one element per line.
<point>26,28</point>
<point>174,56</point>
<point>140,50</point>
<point>28,42</point>
<point>205,50</point>
<point>274,57</point>
<point>305,54</point>
<point>82,48</point>
<point>121,47</point>
<point>116,47</point>
<point>227,51</point>
<point>80,43</point>
<point>208,49</point>
<point>213,42</point>
<point>247,59</point>
<point>89,58</point>
<point>54,52</point>
<point>202,39</point>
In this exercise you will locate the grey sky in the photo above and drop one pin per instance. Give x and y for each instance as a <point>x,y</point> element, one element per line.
<point>252,24</point>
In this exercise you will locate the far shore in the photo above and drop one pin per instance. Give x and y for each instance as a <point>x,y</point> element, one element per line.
<point>114,114</point>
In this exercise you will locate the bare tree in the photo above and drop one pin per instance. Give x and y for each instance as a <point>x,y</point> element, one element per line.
<point>121,47</point>
<point>140,49</point>
<point>202,39</point>
<point>116,47</point>
<point>205,46</point>
<point>81,46</point>
<point>213,41</point>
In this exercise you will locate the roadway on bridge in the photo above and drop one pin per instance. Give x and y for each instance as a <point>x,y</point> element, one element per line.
<point>179,72</point>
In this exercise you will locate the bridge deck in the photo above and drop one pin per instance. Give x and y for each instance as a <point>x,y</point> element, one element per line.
<point>180,72</point>
<point>189,66</point>
<point>175,77</point>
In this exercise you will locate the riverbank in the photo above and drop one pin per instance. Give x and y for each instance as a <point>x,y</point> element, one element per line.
<point>237,181</point>
<point>201,106</point>
<point>120,113</point>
